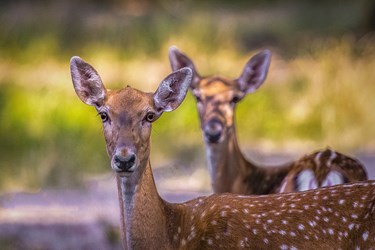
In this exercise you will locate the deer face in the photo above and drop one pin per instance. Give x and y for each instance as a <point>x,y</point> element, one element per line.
<point>127,114</point>
<point>217,96</point>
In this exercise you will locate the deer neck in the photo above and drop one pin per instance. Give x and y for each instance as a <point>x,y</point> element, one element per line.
<point>143,212</point>
<point>226,163</point>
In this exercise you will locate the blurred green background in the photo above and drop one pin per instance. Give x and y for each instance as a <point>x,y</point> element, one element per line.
<point>319,91</point>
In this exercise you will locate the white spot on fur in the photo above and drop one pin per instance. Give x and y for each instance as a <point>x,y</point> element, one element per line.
<point>282,232</point>
<point>183,242</point>
<point>365,236</point>
<point>312,223</point>
<point>283,247</point>
<point>333,178</point>
<point>203,214</point>
<point>242,243</point>
<point>209,242</point>
<point>317,158</point>
<point>354,216</point>
<point>283,186</point>
<point>306,180</point>
<point>331,157</point>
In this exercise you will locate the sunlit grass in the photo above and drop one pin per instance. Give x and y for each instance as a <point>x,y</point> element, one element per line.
<point>325,97</point>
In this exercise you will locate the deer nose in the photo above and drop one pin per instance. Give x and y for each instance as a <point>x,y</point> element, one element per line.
<point>124,164</point>
<point>213,131</point>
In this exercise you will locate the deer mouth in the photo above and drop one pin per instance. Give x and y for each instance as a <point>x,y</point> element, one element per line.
<point>213,131</point>
<point>124,173</point>
<point>213,138</point>
<point>124,166</point>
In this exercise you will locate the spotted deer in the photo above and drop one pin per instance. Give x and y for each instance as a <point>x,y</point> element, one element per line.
<point>230,171</point>
<point>338,217</point>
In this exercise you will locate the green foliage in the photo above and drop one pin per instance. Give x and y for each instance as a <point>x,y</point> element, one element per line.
<point>40,133</point>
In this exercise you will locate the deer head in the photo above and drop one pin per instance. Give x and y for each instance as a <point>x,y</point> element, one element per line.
<point>127,114</point>
<point>217,96</point>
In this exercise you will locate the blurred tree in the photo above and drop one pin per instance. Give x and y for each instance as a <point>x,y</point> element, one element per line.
<point>369,16</point>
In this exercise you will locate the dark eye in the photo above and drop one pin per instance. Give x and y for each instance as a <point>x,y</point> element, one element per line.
<point>103,116</point>
<point>235,99</point>
<point>150,116</point>
<point>199,99</point>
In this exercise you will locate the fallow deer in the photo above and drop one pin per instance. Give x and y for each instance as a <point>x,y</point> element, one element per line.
<point>230,171</point>
<point>338,217</point>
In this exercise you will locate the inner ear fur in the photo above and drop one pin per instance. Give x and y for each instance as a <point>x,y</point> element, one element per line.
<point>172,90</point>
<point>87,82</point>
<point>255,72</point>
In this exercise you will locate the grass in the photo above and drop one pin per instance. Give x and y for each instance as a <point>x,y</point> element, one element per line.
<point>318,92</point>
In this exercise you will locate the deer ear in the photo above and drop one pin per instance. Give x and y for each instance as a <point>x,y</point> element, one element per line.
<point>87,82</point>
<point>255,72</point>
<point>172,90</point>
<point>179,60</point>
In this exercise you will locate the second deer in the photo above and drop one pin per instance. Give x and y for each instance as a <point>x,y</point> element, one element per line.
<point>230,171</point>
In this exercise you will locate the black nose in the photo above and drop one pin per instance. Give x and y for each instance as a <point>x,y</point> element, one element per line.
<point>213,131</point>
<point>124,163</point>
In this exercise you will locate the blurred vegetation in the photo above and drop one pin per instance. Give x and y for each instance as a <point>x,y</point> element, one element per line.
<point>319,91</point>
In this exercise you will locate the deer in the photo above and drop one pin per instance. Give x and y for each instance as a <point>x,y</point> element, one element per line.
<point>334,217</point>
<point>230,171</point>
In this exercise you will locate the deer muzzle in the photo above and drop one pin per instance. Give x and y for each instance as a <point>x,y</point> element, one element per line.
<point>213,131</point>
<point>124,161</point>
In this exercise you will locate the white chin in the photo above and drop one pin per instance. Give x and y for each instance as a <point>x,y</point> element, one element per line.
<point>122,173</point>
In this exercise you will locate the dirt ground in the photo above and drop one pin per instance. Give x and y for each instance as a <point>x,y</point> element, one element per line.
<point>88,218</point>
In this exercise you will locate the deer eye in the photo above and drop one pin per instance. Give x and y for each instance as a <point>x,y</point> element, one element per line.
<point>235,99</point>
<point>150,117</point>
<point>199,99</point>
<point>103,116</point>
